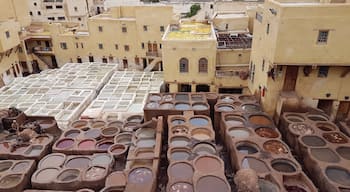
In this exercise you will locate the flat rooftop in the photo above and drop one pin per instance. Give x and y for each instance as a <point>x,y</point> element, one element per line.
<point>230,15</point>
<point>234,40</point>
<point>189,31</point>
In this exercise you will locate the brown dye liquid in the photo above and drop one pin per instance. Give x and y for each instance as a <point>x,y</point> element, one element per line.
<point>325,127</point>
<point>10,180</point>
<point>210,184</point>
<point>207,164</point>
<point>267,132</point>
<point>275,147</point>
<point>260,120</point>
<point>181,171</point>
<point>335,138</point>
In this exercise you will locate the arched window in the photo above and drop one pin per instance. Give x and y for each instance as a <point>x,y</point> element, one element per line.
<point>203,65</point>
<point>183,65</point>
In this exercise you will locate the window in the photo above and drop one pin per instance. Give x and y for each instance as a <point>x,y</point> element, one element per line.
<point>100,46</point>
<point>30,13</point>
<point>104,60</point>
<point>79,19</point>
<point>124,30</point>
<point>59,7</point>
<point>100,28</point>
<point>126,47</point>
<point>7,33</point>
<point>145,28</point>
<point>34,3</point>
<point>323,71</point>
<point>82,45</point>
<point>61,18</point>
<point>211,6</point>
<point>160,46</point>
<point>116,46</point>
<point>51,18</point>
<point>91,58</point>
<point>263,65</point>
<point>76,45</point>
<point>322,36</point>
<point>39,13</point>
<point>226,26</point>
<point>48,7</point>
<point>268,28</point>
<point>183,65</point>
<point>161,28</point>
<point>63,45</point>
<point>203,65</point>
<point>258,17</point>
<point>75,8</point>
<point>142,45</point>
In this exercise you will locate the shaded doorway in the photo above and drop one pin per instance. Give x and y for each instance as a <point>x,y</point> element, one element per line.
<point>184,88</point>
<point>202,88</point>
<point>290,79</point>
<point>325,105</point>
<point>231,90</point>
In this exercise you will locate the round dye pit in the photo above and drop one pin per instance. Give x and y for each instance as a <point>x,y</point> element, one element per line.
<point>275,146</point>
<point>294,118</point>
<point>41,140</point>
<point>53,160</point>
<point>199,106</point>
<point>234,121</point>
<point>267,132</point>
<point>98,124</point>
<point>267,186</point>
<point>338,175</point>
<point>179,155</point>
<point>166,106</point>
<point>34,150</point>
<point>95,173</point>
<point>199,121</point>
<point>178,121</point>
<point>140,176</point>
<point>253,163</point>
<point>5,165</point>
<point>260,120</point>
<point>179,141</point>
<point>87,144</point>
<point>201,134</point>
<point>182,97</point>
<point>152,105</point>
<point>167,97</point>
<point>68,175</point>
<point>129,126</point>
<point>204,149</point>
<point>315,117</point>
<point>247,98</point>
<point>344,152</point>
<point>93,134</point>
<point>313,141</point>
<point>80,124</point>
<point>146,143</point>
<point>197,98</point>
<point>324,126</point>
<point>123,138</point>
<point>251,108</point>
<point>293,188</point>
<point>211,183</point>
<point>227,99</point>
<point>238,132</point>
<point>301,129</point>
<point>325,154</point>
<point>21,166</point>
<point>179,130</point>
<point>78,163</point>
<point>182,106</point>
<point>110,131</point>
<point>208,164</point>
<point>47,175</point>
<point>146,133</point>
<point>283,165</point>
<point>10,181</point>
<point>181,171</point>
<point>247,148</point>
<point>224,108</point>
<point>181,187</point>
<point>104,145</point>
<point>155,98</point>
<point>117,123</point>
<point>101,159</point>
<point>72,133</point>
<point>335,137</point>
<point>65,143</point>
<point>21,148</point>
<point>117,149</point>
<point>144,153</point>
<point>135,118</point>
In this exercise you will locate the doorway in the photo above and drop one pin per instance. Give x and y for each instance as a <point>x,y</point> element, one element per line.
<point>343,110</point>
<point>231,90</point>
<point>144,61</point>
<point>290,79</point>
<point>184,88</point>
<point>104,60</point>
<point>47,44</point>
<point>325,105</point>
<point>79,60</point>
<point>91,58</point>
<point>125,63</point>
<point>54,62</point>
<point>202,88</point>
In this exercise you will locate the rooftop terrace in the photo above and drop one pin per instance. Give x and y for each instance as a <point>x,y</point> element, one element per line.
<point>189,31</point>
<point>234,41</point>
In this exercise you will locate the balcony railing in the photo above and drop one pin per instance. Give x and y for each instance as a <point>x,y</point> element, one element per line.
<point>43,50</point>
<point>153,54</point>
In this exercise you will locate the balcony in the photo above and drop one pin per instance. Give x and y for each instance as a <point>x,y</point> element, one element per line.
<point>43,50</point>
<point>242,74</point>
<point>153,54</point>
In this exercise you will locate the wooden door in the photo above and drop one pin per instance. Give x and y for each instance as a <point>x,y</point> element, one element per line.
<point>290,78</point>
<point>343,110</point>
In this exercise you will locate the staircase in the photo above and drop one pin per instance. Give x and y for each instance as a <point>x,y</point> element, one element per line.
<point>151,66</point>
